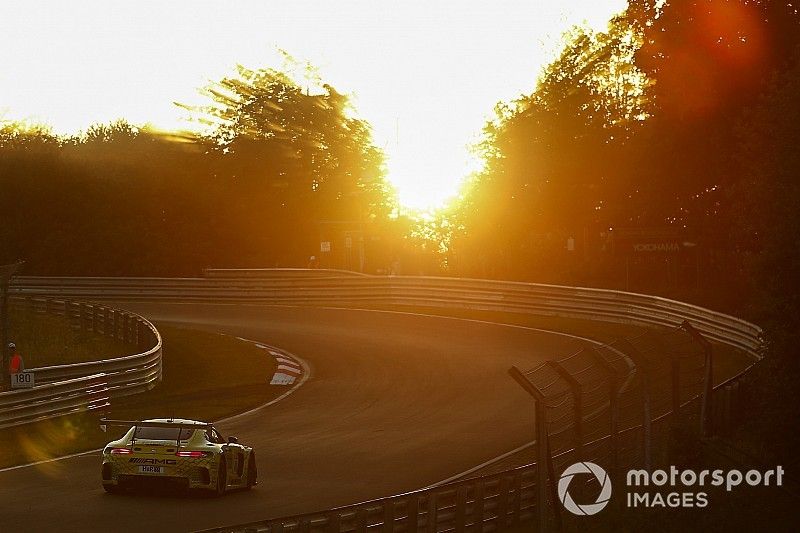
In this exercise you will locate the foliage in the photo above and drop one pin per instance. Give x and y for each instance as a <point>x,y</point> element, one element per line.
<point>125,200</point>
<point>541,180</point>
<point>635,127</point>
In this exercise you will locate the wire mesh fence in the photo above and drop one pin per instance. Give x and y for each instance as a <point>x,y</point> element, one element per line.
<point>622,405</point>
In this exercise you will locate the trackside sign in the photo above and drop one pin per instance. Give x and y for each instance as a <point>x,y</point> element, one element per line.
<point>646,241</point>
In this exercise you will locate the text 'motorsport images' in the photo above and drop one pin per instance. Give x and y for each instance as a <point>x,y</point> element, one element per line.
<point>186,453</point>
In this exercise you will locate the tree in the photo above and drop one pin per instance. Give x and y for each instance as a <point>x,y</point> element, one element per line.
<point>294,157</point>
<point>549,155</point>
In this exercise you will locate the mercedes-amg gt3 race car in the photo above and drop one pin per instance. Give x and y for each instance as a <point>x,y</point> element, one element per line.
<point>190,454</point>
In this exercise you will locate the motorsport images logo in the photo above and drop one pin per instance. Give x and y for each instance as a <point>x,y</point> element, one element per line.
<point>662,488</point>
<point>585,509</point>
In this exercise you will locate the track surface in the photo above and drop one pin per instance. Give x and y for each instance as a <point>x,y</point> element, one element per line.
<point>395,402</point>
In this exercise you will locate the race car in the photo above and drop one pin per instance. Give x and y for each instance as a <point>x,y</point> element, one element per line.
<point>187,453</point>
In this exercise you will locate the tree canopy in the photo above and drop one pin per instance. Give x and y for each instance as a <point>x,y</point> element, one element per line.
<point>251,191</point>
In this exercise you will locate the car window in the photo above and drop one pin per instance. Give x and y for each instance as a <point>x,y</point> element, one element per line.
<point>150,433</point>
<point>218,436</point>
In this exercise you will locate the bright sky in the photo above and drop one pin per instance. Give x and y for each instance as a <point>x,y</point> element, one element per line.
<point>425,74</point>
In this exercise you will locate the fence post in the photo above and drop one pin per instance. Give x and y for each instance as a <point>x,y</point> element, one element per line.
<point>333,522</point>
<point>413,513</point>
<point>643,366</point>
<point>613,403</point>
<point>516,506</point>
<point>675,369</point>
<point>502,503</point>
<point>430,516</point>
<point>304,525</point>
<point>706,411</point>
<point>726,409</point>
<point>361,520</point>
<point>461,508</point>
<point>477,506</point>
<point>388,516</point>
<point>542,458</point>
<point>577,403</point>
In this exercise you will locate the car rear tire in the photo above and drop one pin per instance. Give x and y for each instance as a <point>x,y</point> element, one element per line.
<point>222,478</point>
<point>252,471</point>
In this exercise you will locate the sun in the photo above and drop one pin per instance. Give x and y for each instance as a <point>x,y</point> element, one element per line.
<point>426,75</point>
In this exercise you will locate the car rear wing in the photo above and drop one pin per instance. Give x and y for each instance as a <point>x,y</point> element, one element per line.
<point>104,423</point>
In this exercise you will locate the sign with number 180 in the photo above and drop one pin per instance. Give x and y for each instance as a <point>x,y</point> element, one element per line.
<point>22,380</point>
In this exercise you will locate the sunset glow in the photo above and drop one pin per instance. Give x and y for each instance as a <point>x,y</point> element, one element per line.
<point>425,75</point>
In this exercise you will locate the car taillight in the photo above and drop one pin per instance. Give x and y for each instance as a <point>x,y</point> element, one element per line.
<point>121,451</point>
<point>192,453</point>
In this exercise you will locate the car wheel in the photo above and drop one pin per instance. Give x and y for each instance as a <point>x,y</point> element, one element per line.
<point>222,478</point>
<point>252,471</point>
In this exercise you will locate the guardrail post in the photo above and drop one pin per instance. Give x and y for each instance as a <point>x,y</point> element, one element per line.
<point>706,411</point>
<point>388,516</point>
<point>461,508</point>
<point>412,512</point>
<point>477,506</point>
<point>333,522</point>
<point>577,403</point>
<point>361,520</point>
<point>516,505</point>
<point>502,503</point>
<point>430,516</point>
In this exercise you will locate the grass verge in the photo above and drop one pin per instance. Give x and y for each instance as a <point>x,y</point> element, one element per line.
<point>206,376</point>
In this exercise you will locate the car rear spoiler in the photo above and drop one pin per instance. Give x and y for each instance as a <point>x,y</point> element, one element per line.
<point>104,423</point>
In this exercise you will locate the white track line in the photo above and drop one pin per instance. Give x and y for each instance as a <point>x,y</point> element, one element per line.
<point>303,378</point>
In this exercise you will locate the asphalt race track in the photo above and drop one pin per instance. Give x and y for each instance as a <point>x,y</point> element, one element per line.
<point>395,402</point>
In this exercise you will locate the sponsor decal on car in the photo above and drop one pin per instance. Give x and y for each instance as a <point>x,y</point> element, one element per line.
<point>144,460</point>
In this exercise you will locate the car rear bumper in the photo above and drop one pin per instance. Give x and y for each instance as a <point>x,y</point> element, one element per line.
<point>187,474</point>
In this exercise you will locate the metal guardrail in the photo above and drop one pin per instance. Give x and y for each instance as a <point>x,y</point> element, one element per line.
<point>487,503</point>
<point>65,389</point>
<point>430,292</point>
<point>279,273</point>
<point>53,400</point>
